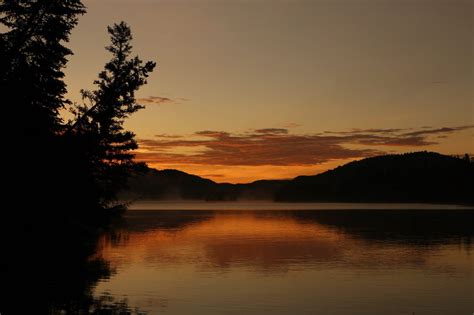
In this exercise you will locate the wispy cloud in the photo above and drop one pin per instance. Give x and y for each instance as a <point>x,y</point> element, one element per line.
<point>356,131</point>
<point>256,149</point>
<point>276,146</point>
<point>167,136</point>
<point>438,131</point>
<point>159,100</point>
<point>272,131</point>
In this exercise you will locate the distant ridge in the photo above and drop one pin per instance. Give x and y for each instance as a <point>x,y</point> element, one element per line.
<point>424,177</point>
<point>177,185</point>
<point>411,177</point>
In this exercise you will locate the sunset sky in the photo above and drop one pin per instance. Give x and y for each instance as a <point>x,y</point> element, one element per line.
<point>263,89</point>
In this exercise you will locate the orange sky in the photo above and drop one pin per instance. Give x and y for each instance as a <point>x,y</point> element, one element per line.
<point>256,89</point>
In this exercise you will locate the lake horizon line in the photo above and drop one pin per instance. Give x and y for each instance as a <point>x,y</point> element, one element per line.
<point>201,205</point>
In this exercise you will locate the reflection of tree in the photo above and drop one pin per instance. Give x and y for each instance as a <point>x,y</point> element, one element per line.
<point>106,304</point>
<point>55,273</point>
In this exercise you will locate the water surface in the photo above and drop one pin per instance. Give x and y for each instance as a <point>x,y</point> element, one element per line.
<point>292,262</point>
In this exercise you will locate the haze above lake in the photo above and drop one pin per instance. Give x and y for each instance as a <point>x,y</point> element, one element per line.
<point>264,205</point>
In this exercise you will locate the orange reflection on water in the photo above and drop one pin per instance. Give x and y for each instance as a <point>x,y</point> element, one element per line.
<point>225,239</point>
<point>264,242</point>
<point>269,262</point>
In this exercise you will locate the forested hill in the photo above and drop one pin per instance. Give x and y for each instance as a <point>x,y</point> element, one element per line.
<point>412,177</point>
<point>177,185</point>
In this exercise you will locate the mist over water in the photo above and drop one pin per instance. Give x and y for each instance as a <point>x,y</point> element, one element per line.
<point>268,205</point>
<point>291,261</point>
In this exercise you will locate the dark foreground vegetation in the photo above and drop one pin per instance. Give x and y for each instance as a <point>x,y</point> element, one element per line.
<point>425,177</point>
<point>61,176</point>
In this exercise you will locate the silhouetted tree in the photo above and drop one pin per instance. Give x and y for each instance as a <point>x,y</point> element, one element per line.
<point>58,176</point>
<point>99,123</point>
<point>33,56</point>
<point>81,164</point>
<point>32,90</point>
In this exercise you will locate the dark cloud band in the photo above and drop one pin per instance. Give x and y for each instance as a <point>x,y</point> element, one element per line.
<point>276,146</point>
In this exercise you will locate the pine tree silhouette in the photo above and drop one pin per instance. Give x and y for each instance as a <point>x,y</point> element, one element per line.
<point>98,126</point>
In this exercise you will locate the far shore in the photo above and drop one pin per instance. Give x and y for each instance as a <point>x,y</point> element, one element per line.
<point>270,205</point>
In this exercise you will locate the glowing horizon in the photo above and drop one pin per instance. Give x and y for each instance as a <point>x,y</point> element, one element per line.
<point>276,153</point>
<point>259,89</point>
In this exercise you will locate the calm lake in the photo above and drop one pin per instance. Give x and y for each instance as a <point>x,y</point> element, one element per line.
<point>260,258</point>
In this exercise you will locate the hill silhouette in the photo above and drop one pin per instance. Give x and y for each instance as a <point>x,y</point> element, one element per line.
<point>177,185</point>
<point>413,177</point>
